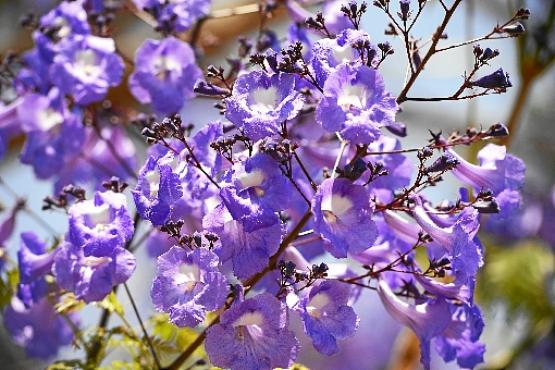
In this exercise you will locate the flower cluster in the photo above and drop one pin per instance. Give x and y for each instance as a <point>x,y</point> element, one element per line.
<point>294,205</point>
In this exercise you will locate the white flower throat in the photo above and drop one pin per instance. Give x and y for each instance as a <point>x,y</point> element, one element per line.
<point>164,65</point>
<point>335,206</point>
<point>316,304</point>
<point>264,100</point>
<point>187,276</point>
<point>86,65</point>
<point>352,96</point>
<point>253,179</point>
<point>49,118</point>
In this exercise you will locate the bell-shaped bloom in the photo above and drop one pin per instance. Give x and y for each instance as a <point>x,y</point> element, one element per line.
<point>165,74</point>
<point>428,319</point>
<point>55,134</point>
<point>261,103</point>
<point>459,341</point>
<point>159,187</point>
<point>327,316</point>
<point>356,104</point>
<point>175,15</point>
<point>457,241</point>
<point>252,334</point>
<point>87,68</point>
<point>495,80</point>
<point>328,53</point>
<point>248,251</point>
<point>33,260</point>
<point>342,215</point>
<point>188,284</point>
<point>498,172</point>
<point>254,189</point>
<point>38,329</point>
<point>57,27</point>
<point>92,275</point>
<point>101,223</point>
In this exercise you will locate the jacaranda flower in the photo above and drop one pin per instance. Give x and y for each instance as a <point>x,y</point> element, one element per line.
<point>355,104</point>
<point>188,284</point>
<point>327,316</point>
<point>165,74</point>
<point>261,103</point>
<point>342,214</point>
<point>252,334</point>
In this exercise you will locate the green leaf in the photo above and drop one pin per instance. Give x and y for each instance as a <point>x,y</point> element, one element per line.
<point>112,304</point>
<point>122,365</point>
<point>68,303</point>
<point>8,285</point>
<point>66,365</point>
<point>519,277</point>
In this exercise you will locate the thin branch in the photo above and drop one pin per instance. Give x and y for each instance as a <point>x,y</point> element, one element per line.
<point>483,93</point>
<point>145,333</point>
<point>437,36</point>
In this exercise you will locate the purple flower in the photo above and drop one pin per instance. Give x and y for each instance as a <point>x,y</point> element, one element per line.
<point>91,275</point>
<point>327,316</point>
<point>455,241</point>
<point>254,189</point>
<point>460,339</point>
<point>261,103</point>
<point>188,284</point>
<point>101,224</point>
<point>336,21</point>
<point>496,80</point>
<point>498,172</point>
<point>34,74</point>
<point>165,74</point>
<point>328,54</point>
<point>55,134</point>
<point>356,104</point>
<point>87,68</point>
<point>34,261</point>
<point>175,15</point>
<point>428,319</point>
<point>248,251</point>
<point>58,27</point>
<point>252,334</point>
<point>159,187</point>
<point>37,328</point>
<point>342,214</point>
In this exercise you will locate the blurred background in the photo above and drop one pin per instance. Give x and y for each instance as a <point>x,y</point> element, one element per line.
<point>516,287</point>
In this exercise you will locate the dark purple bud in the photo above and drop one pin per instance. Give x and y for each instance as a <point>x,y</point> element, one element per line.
<point>522,13</point>
<point>205,88</point>
<point>489,54</point>
<point>515,29</point>
<point>405,9</point>
<point>353,171</point>
<point>497,130</point>
<point>397,128</point>
<point>444,163</point>
<point>385,47</point>
<point>496,80</point>
<point>477,50</point>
